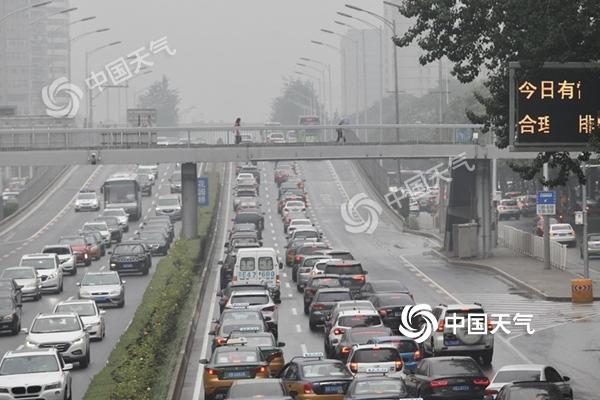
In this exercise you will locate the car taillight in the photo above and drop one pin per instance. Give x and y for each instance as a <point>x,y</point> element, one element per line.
<point>345,350</point>
<point>382,312</point>
<point>354,367</point>
<point>481,381</point>
<point>309,291</point>
<point>399,364</point>
<point>438,383</point>
<point>490,325</point>
<point>272,308</point>
<point>234,278</point>
<point>417,355</point>
<point>277,354</point>
<point>85,255</point>
<point>359,278</point>
<point>338,331</point>
<point>211,371</point>
<point>225,299</point>
<point>297,259</point>
<point>260,370</point>
<point>307,388</point>
<point>441,326</point>
<point>278,280</point>
<point>220,341</point>
<point>317,306</point>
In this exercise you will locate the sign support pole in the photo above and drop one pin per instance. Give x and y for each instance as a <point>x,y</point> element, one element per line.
<point>584,240</point>
<point>547,264</point>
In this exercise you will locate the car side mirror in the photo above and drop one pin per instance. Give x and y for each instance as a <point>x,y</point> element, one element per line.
<point>260,243</point>
<point>220,262</point>
<point>226,245</point>
<point>203,361</point>
<point>280,265</point>
<point>19,305</point>
<point>109,252</point>
<point>68,367</point>
<point>566,378</point>
<point>102,312</point>
<point>78,284</point>
<point>211,333</point>
<point>278,301</point>
<point>409,371</point>
<point>25,330</point>
<point>19,287</point>
<point>280,344</point>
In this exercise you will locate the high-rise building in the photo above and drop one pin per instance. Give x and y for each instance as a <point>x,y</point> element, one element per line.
<point>34,45</point>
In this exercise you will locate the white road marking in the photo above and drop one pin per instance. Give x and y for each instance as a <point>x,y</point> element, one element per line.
<point>294,311</point>
<point>70,298</point>
<point>287,285</point>
<point>298,328</point>
<point>102,268</point>
<point>303,348</point>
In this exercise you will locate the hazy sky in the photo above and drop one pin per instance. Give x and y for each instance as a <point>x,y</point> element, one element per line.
<point>231,54</point>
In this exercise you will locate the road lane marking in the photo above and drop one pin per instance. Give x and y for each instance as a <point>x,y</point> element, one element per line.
<point>303,348</point>
<point>294,311</point>
<point>298,328</point>
<point>287,285</point>
<point>70,298</point>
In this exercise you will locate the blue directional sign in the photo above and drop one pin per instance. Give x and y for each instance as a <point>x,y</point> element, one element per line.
<point>546,203</point>
<point>203,191</point>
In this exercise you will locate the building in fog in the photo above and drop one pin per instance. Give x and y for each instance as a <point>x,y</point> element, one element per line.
<point>35,51</point>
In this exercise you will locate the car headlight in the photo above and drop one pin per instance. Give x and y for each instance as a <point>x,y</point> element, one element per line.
<point>115,292</point>
<point>31,343</point>
<point>8,317</point>
<point>52,386</point>
<point>52,275</point>
<point>84,293</point>
<point>78,341</point>
<point>113,264</point>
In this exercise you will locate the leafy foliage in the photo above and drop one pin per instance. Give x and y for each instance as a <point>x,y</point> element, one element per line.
<point>485,35</point>
<point>297,98</point>
<point>164,99</point>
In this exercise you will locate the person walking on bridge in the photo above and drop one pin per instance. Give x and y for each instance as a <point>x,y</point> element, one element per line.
<point>340,131</point>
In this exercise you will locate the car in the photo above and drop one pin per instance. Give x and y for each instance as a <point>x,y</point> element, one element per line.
<point>529,373</point>
<point>96,244</point>
<point>249,168</point>
<point>130,257</point>
<point>293,206</point>
<point>295,253</point>
<point>305,234</point>
<point>447,378</point>
<point>98,226</point>
<point>244,195</point>
<point>507,209</point>
<point>146,184</point>
<point>114,227</point>
<point>390,306</point>
<point>230,363</point>
<point>80,248</point>
<point>267,389</point>
<point>449,341</point>
<point>10,314</point>
<point>87,200</point>
<point>259,265</point>
<point>323,302</point>
<point>539,227</point>
<point>295,223</point>
<point>342,306</point>
<point>294,216</point>
<point>10,288</point>
<point>377,386</point>
<point>352,275</point>
<point>66,257</point>
<point>169,205</point>
<point>563,233</point>
<point>161,228</point>
<point>175,182</point>
<point>247,138</point>
<point>530,390</point>
<point>163,221</point>
<point>105,288</point>
<point>344,320</point>
<point>256,300</point>
<point>527,205</point>
<point>268,346</point>
<point>381,286</point>
<point>409,349</point>
<point>302,271</point>
<point>120,214</point>
<point>241,320</point>
<point>593,245</point>
<point>312,376</point>
<point>47,266</point>
<point>231,287</point>
<point>357,336</point>
<point>65,331</point>
<point>27,278</point>
<point>251,217</point>
<point>313,284</point>
<point>156,241</point>
<point>245,176</point>
<point>365,358</point>
<point>89,313</point>
<point>38,371</point>
<point>276,138</point>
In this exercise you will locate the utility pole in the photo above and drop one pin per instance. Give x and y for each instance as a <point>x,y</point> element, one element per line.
<point>547,264</point>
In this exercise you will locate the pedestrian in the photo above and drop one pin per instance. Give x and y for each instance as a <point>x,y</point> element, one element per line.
<point>238,135</point>
<point>340,132</point>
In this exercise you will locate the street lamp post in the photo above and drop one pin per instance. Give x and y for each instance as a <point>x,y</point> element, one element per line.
<point>90,114</point>
<point>23,9</point>
<point>328,66</point>
<point>324,87</point>
<point>318,80</point>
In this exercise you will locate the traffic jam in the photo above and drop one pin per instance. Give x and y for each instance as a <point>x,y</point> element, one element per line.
<point>59,340</point>
<point>364,355</point>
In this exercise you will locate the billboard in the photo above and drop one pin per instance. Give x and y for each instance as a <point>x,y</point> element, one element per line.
<point>554,108</point>
<point>141,117</point>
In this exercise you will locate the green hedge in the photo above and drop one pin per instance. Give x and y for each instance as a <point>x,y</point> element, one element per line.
<point>10,208</point>
<point>136,365</point>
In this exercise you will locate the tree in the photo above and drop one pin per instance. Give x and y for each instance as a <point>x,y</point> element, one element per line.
<point>297,98</point>
<point>164,99</point>
<point>485,35</point>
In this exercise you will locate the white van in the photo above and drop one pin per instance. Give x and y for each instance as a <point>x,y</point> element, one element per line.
<point>259,265</point>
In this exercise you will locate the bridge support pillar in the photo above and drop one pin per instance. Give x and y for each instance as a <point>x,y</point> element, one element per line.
<point>189,195</point>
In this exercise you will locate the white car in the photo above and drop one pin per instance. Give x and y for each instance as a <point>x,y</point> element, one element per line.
<point>98,226</point>
<point>276,138</point>
<point>87,200</point>
<point>530,373</point>
<point>299,223</point>
<point>305,234</point>
<point>89,313</point>
<point>27,278</point>
<point>68,262</point>
<point>65,331</point>
<point>39,371</point>
<point>169,205</point>
<point>508,208</point>
<point>149,171</point>
<point>259,300</point>
<point>121,216</point>
<point>293,206</point>
<point>345,320</point>
<point>151,167</point>
<point>375,358</point>
<point>47,266</point>
<point>563,233</point>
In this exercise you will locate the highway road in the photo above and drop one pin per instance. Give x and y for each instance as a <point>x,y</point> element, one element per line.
<point>562,336</point>
<point>53,217</point>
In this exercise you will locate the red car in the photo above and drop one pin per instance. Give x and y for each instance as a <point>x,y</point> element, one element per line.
<point>80,249</point>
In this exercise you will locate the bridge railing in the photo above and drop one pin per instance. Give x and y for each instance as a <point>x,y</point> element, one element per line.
<point>192,136</point>
<point>531,245</point>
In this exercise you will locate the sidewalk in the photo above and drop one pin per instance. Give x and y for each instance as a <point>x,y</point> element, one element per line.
<point>526,272</point>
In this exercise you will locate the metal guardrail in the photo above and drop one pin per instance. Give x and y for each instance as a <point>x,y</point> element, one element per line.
<point>192,136</point>
<point>532,245</point>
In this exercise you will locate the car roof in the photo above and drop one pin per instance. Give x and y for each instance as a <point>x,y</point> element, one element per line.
<point>360,311</point>
<point>38,255</point>
<point>102,273</point>
<point>522,367</point>
<point>76,301</point>
<point>462,307</point>
<point>56,315</point>
<point>250,293</point>
<point>343,263</point>
<point>168,196</point>
<point>333,290</point>
<point>23,352</point>
<point>372,346</point>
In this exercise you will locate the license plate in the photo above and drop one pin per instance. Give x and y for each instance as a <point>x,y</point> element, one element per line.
<point>397,314</point>
<point>461,388</point>
<point>333,389</point>
<point>455,342</point>
<point>127,265</point>
<point>102,299</point>
<point>236,374</point>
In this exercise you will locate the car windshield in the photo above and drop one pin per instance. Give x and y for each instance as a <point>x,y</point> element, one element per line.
<point>456,367</point>
<point>516,376</point>
<point>168,202</point>
<point>561,227</point>
<point>530,393</point>
<point>86,196</point>
<point>128,249</point>
<point>56,250</point>
<point>324,370</point>
<point>294,204</point>
<point>235,357</point>
<point>55,324</point>
<point>246,193</point>
<point>509,203</point>
<point>251,299</point>
<point>380,386</point>
<point>395,300</point>
<point>95,227</point>
<point>594,238</point>
<point>373,355</point>
<point>73,240</point>
<point>100,279</point>
<point>83,309</point>
<point>403,346</point>
<point>114,213</point>
<point>241,316</point>
<point>18,273</point>
<point>359,320</point>
<point>38,263</point>
<point>300,222</point>
<point>29,365</point>
<point>333,297</point>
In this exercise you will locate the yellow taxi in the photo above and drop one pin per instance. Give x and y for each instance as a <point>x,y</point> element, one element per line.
<point>314,377</point>
<point>268,346</point>
<point>230,363</point>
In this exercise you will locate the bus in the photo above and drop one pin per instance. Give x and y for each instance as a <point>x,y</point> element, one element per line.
<point>309,135</point>
<point>123,190</point>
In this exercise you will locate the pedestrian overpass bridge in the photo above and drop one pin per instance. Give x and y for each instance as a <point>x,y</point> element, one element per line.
<point>215,144</point>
